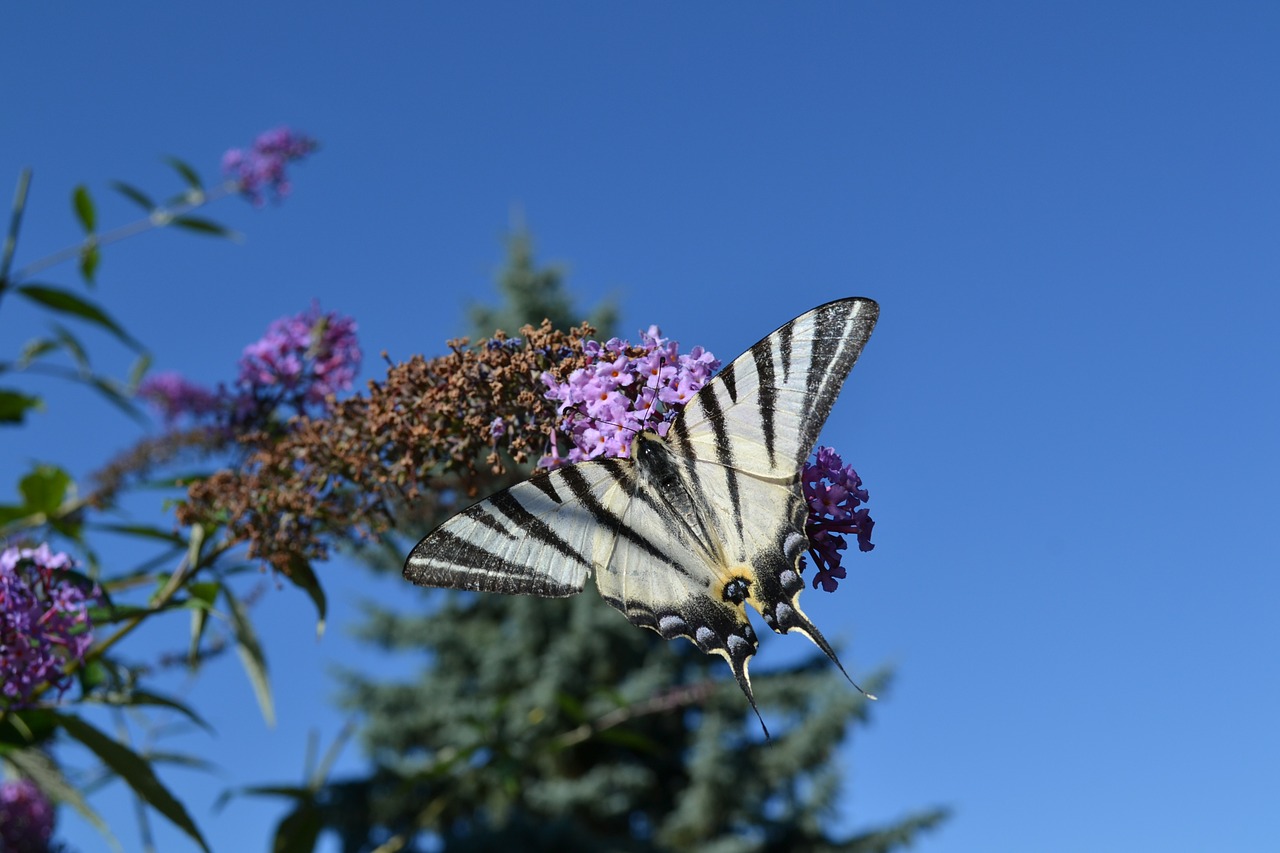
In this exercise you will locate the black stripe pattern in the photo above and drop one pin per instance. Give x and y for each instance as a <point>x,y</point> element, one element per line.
<point>696,525</point>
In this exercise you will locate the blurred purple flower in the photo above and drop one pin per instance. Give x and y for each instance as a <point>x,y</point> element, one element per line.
<point>26,817</point>
<point>262,167</point>
<point>623,390</point>
<point>44,622</point>
<point>173,396</point>
<point>833,491</point>
<point>301,360</point>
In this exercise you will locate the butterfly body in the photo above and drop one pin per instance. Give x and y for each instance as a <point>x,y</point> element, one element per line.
<point>696,524</point>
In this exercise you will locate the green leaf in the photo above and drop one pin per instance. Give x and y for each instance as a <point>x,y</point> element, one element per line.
<point>299,830</point>
<point>135,771</point>
<point>202,595</point>
<point>135,195</point>
<point>10,512</point>
<point>92,675</point>
<point>84,209</point>
<point>304,577</point>
<point>199,619</point>
<point>39,768</point>
<point>139,369</point>
<point>147,698</point>
<point>66,302</point>
<point>30,727</point>
<point>14,406</point>
<point>34,349</point>
<point>90,258</point>
<point>44,489</point>
<point>291,792</point>
<point>182,760</point>
<point>204,226</point>
<point>251,656</point>
<point>109,389</point>
<point>143,531</point>
<point>73,346</point>
<point>188,174</point>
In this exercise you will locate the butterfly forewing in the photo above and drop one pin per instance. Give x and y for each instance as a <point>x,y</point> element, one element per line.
<point>764,411</point>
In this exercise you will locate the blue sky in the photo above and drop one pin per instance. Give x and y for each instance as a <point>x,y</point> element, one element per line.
<point>1067,416</point>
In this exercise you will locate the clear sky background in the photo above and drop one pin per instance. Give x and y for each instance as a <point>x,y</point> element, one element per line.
<point>1068,416</point>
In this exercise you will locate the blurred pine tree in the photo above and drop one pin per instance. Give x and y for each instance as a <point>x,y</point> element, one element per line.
<point>555,725</point>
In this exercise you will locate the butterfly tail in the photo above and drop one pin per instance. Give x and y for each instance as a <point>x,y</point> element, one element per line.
<point>790,618</point>
<point>739,667</point>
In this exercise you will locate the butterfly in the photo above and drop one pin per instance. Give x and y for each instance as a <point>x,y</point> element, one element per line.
<point>697,523</point>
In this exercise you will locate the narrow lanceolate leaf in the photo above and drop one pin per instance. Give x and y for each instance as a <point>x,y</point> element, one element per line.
<point>111,391</point>
<point>135,771</point>
<point>188,174</point>
<point>85,211</point>
<point>251,656</point>
<point>203,226</point>
<point>37,766</point>
<point>135,195</point>
<point>147,698</point>
<point>143,531</point>
<point>73,346</point>
<point>90,258</point>
<point>138,370</point>
<point>304,577</point>
<point>33,350</point>
<point>14,405</point>
<point>66,302</point>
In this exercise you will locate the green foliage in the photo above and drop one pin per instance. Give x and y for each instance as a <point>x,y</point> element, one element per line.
<point>556,725</point>
<point>188,571</point>
<point>529,294</point>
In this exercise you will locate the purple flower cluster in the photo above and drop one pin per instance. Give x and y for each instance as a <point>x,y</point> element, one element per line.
<point>623,390</point>
<point>302,359</point>
<point>44,622</point>
<point>263,165</point>
<point>833,491</point>
<point>26,817</point>
<point>299,362</point>
<point>174,396</point>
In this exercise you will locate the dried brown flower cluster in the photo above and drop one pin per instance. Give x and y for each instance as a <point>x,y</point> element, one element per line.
<point>150,454</point>
<point>424,429</point>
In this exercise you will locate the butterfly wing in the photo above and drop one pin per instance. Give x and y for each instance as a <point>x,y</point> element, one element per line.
<point>544,536</point>
<point>718,506</point>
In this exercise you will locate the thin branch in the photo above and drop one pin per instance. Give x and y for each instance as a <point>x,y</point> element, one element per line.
<point>158,218</point>
<point>680,697</point>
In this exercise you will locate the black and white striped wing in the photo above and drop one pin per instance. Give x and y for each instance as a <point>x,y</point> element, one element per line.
<point>762,413</point>
<point>742,441</point>
<point>544,536</point>
<point>692,528</point>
